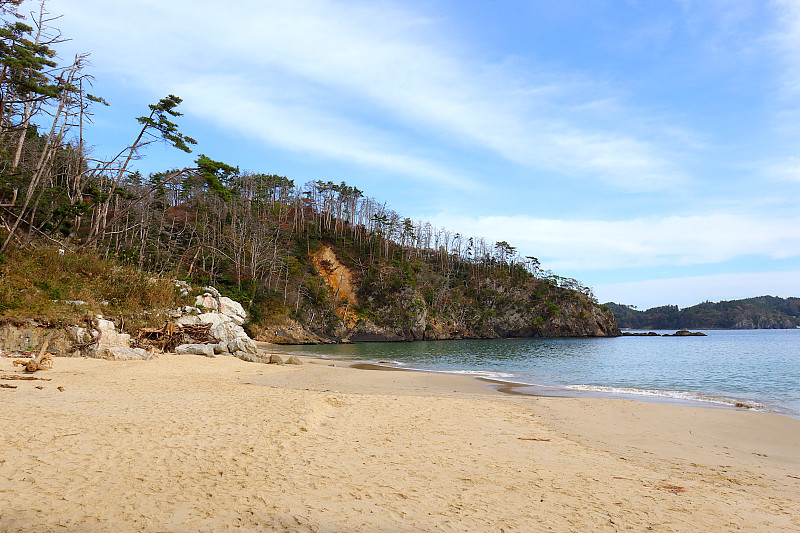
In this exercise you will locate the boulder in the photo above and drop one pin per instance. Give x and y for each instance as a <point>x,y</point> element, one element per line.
<point>110,343</point>
<point>293,360</point>
<point>109,335</point>
<point>196,349</point>
<point>120,353</point>
<point>220,347</point>
<point>251,358</point>
<point>275,359</point>
<point>206,302</point>
<point>212,291</point>
<point>226,317</point>
<point>244,344</point>
<point>78,334</point>
<point>232,309</point>
<point>188,320</point>
<point>222,327</point>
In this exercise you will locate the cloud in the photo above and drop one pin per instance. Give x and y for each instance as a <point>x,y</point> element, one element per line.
<point>787,41</point>
<point>378,64</point>
<point>785,170</point>
<point>586,245</point>
<point>304,128</point>
<point>688,291</point>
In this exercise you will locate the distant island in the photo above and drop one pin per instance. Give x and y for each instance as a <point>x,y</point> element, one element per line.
<point>763,312</point>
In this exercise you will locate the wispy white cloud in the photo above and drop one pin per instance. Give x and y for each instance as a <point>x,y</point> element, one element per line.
<point>692,290</point>
<point>583,245</point>
<point>379,60</point>
<point>304,128</point>
<point>786,38</point>
<point>787,169</point>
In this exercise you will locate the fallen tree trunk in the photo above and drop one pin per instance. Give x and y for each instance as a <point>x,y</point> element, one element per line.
<point>43,361</point>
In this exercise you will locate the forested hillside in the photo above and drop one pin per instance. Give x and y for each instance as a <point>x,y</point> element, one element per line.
<point>764,312</point>
<point>314,262</point>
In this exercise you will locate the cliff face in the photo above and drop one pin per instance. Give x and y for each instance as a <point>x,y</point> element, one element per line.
<point>411,320</point>
<point>390,307</point>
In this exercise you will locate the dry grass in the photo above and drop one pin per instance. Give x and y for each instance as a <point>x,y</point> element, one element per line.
<point>41,283</point>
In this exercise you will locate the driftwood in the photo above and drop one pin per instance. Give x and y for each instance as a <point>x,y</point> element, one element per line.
<point>172,334</point>
<point>26,378</point>
<point>43,361</point>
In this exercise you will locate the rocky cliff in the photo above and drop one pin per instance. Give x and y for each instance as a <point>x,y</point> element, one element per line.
<point>396,308</point>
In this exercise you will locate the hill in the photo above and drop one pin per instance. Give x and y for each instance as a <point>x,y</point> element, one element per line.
<point>317,262</point>
<point>763,312</point>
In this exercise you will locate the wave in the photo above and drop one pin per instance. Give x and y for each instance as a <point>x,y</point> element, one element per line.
<point>672,394</point>
<point>478,373</point>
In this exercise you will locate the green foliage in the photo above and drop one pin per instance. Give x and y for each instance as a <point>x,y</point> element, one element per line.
<point>216,174</point>
<point>23,61</point>
<point>764,312</point>
<point>158,120</point>
<point>250,234</point>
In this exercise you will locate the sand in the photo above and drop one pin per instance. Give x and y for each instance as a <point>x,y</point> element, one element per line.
<point>187,443</point>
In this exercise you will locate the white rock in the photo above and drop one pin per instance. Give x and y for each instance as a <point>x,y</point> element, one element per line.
<point>109,335</point>
<point>243,344</point>
<point>237,320</point>
<point>110,344</point>
<point>120,353</point>
<point>206,301</point>
<point>189,320</point>
<point>212,291</point>
<point>220,347</point>
<point>232,309</point>
<point>183,287</point>
<point>244,356</point>
<point>77,334</point>
<point>196,349</point>
<point>222,327</point>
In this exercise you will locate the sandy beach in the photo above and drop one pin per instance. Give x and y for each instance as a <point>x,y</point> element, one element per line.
<point>187,443</point>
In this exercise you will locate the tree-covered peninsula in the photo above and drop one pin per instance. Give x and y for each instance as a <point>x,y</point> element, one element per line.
<point>763,312</point>
<point>312,262</point>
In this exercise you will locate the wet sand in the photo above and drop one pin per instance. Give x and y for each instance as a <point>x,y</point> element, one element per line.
<point>186,443</point>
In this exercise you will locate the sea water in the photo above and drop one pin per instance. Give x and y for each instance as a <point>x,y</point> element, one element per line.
<point>757,369</point>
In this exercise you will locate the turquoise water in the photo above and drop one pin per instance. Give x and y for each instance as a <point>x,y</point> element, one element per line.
<point>758,368</point>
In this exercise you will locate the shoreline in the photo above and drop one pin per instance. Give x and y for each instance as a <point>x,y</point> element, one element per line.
<point>522,381</point>
<point>187,443</point>
<point>507,386</point>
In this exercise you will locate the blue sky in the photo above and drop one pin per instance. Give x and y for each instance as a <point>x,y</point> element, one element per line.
<point>649,149</point>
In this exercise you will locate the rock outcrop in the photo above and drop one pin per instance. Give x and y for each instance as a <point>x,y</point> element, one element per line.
<point>225,316</point>
<point>102,340</point>
<point>29,335</point>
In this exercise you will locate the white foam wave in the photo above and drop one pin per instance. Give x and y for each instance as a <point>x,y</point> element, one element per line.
<point>675,395</point>
<point>479,373</point>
